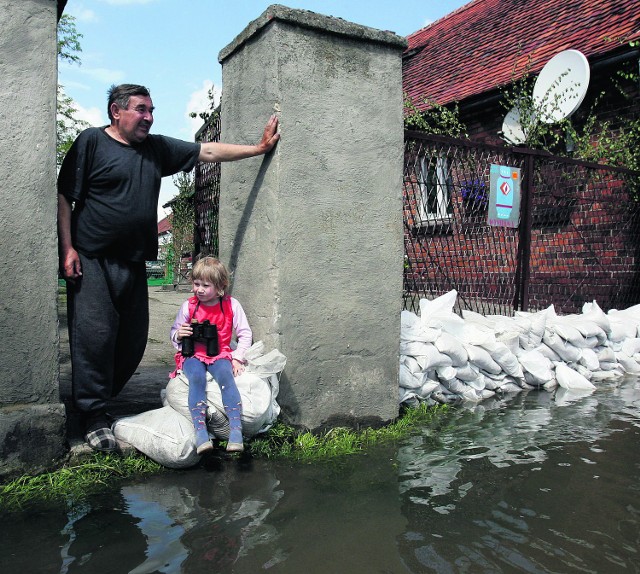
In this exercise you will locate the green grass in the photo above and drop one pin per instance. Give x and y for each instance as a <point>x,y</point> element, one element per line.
<point>155,281</point>
<point>283,441</point>
<point>75,482</point>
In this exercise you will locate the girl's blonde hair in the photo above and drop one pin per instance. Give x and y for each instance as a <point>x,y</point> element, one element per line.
<point>211,270</point>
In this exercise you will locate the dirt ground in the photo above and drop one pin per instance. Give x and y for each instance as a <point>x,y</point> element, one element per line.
<point>142,392</point>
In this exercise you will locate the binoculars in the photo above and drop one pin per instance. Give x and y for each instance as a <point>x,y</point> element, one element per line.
<point>202,332</point>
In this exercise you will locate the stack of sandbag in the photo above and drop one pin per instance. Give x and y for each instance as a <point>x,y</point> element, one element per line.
<point>447,358</point>
<point>167,435</point>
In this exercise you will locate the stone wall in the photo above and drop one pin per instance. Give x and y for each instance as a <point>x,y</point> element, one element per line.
<point>31,415</point>
<point>313,232</point>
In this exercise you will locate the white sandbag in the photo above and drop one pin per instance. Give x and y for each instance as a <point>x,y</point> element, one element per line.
<point>609,365</point>
<point>445,373</point>
<point>469,395</point>
<point>410,363</point>
<point>467,372</point>
<point>428,387</point>
<point>567,332</point>
<point>579,368</point>
<point>539,368</point>
<point>430,357</point>
<point>488,382</point>
<point>444,398</point>
<point>589,360</point>
<point>586,327</point>
<point>438,313</point>
<point>571,380</point>
<point>409,379</point>
<point>605,354</point>
<point>480,358</point>
<point>258,395</point>
<point>621,330</point>
<point>407,396</point>
<point>485,394</point>
<point>534,381</point>
<point>254,351</point>
<point>477,384</point>
<point>593,312</point>
<point>163,434</point>
<point>507,360</point>
<point>551,385</point>
<point>271,363</point>
<point>631,346</point>
<point>607,375</point>
<point>531,337</point>
<point>547,352</point>
<point>565,350</point>
<point>511,339</point>
<point>629,366</point>
<point>412,329</point>
<point>510,388</point>
<point>452,347</point>
<point>415,348</point>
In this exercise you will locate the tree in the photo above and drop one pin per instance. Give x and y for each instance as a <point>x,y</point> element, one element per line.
<point>67,125</point>
<point>182,223</point>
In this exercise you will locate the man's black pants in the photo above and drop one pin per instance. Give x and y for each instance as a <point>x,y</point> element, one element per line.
<point>108,315</point>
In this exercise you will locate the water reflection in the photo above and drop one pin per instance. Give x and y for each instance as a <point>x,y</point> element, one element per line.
<point>536,483</point>
<point>533,485</point>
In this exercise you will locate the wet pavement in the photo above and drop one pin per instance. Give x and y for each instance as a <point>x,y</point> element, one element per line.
<point>142,392</point>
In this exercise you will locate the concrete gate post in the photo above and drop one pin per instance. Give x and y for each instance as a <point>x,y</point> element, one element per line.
<point>31,416</point>
<point>313,232</point>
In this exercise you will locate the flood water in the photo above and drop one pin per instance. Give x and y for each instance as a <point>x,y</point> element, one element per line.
<point>538,482</point>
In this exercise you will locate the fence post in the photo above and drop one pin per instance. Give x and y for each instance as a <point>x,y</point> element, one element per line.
<point>313,232</point>
<point>524,248</point>
<point>32,419</point>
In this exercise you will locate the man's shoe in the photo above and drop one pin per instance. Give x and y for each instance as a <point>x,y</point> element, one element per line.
<point>101,438</point>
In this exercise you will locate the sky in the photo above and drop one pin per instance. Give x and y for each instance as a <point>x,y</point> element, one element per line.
<point>172,47</point>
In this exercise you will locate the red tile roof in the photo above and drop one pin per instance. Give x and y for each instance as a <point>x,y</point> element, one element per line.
<point>164,226</point>
<point>477,48</point>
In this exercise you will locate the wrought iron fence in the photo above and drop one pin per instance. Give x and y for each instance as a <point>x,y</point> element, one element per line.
<point>207,193</point>
<point>576,240</point>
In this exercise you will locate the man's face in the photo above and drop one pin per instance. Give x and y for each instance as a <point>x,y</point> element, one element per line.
<point>134,122</point>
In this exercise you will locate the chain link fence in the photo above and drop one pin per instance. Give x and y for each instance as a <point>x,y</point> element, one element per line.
<point>207,193</point>
<point>576,240</point>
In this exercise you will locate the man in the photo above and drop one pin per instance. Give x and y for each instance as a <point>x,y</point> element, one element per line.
<point>108,190</point>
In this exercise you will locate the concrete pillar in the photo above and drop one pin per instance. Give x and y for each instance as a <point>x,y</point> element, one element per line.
<point>31,415</point>
<point>313,232</point>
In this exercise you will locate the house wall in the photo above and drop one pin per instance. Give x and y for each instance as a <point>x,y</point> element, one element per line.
<point>593,246</point>
<point>313,232</point>
<point>31,415</point>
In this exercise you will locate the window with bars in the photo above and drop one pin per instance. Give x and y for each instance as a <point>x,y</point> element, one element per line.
<point>435,189</point>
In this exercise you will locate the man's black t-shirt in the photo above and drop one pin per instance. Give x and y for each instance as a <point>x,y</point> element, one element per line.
<point>115,188</point>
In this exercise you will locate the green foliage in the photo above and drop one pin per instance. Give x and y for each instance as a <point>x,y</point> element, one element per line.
<point>68,40</point>
<point>211,111</point>
<point>75,482</point>
<point>283,441</point>
<point>182,222</point>
<point>67,125</point>
<point>436,119</point>
<point>587,135</point>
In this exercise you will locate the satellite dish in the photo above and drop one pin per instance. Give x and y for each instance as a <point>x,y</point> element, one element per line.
<point>512,127</point>
<point>561,86</point>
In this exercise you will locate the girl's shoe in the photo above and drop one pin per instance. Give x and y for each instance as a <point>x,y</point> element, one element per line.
<point>205,447</point>
<point>235,447</point>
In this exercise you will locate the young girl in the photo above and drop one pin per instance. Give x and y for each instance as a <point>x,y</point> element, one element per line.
<point>209,303</point>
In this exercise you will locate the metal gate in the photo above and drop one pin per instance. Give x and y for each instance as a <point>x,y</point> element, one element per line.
<point>207,193</point>
<point>576,240</point>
